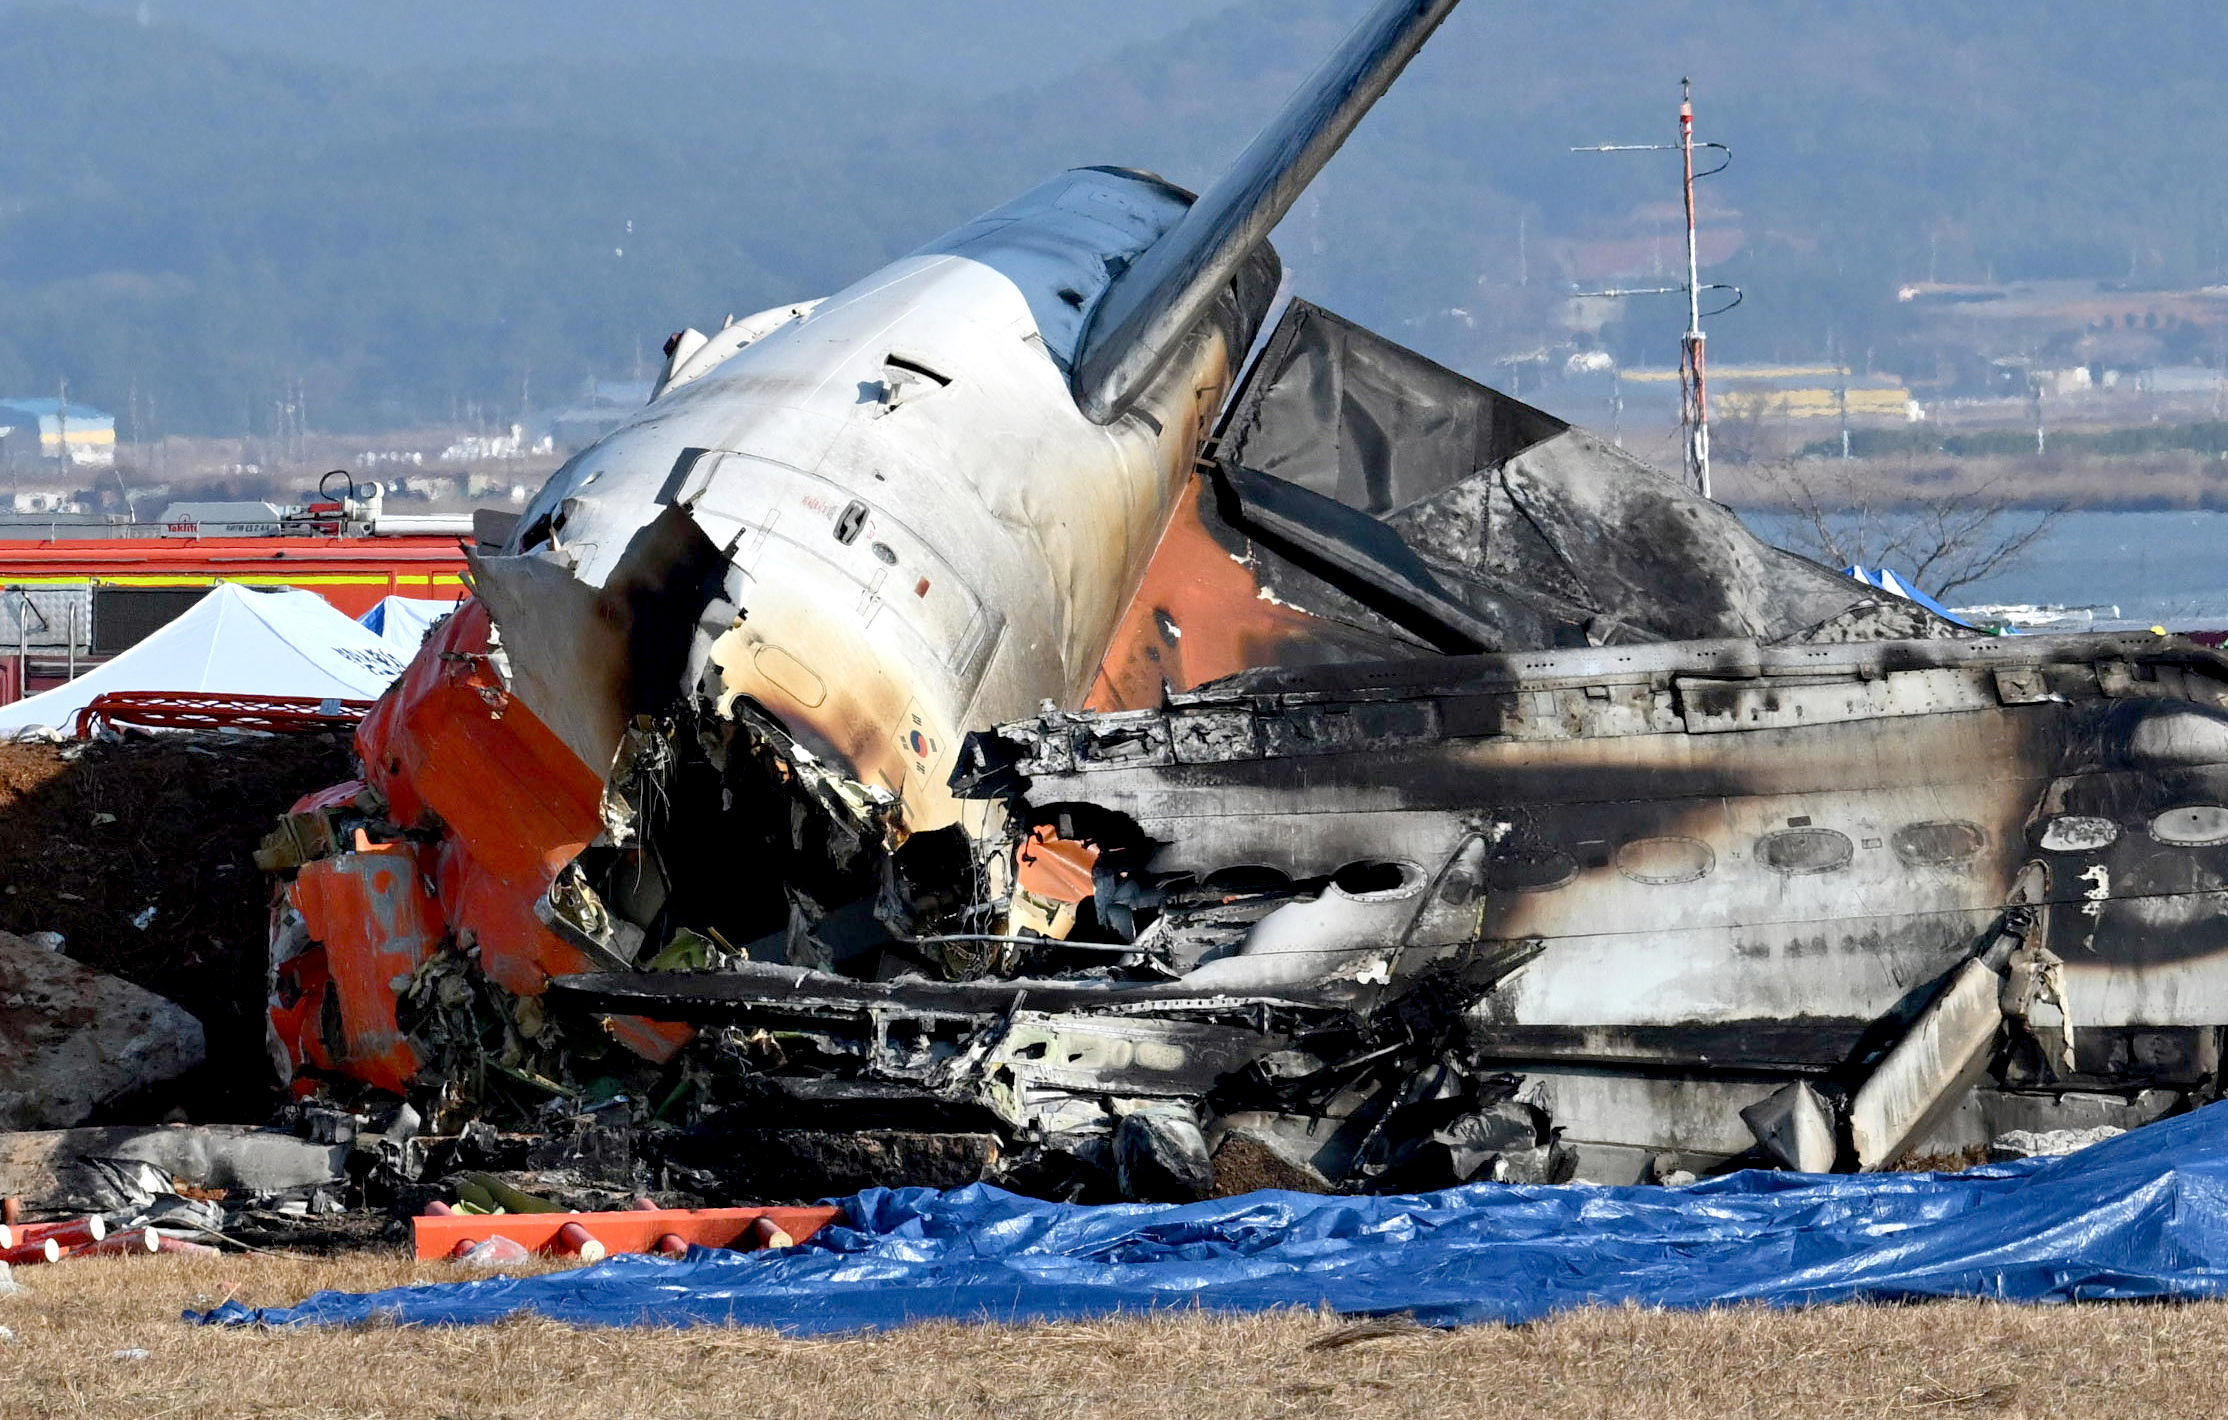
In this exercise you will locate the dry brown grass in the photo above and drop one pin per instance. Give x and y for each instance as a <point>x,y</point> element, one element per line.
<point>1958,1359</point>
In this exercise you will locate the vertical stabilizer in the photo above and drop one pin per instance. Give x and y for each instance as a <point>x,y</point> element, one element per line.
<point>1152,306</point>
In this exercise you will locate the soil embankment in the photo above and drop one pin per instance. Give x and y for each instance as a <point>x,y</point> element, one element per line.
<point>140,853</point>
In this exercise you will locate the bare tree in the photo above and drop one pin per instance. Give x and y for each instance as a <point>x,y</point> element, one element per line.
<point>1939,539</point>
<point>1750,429</point>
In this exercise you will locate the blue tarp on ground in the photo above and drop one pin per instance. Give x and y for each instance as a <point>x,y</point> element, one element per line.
<point>2141,1216</point>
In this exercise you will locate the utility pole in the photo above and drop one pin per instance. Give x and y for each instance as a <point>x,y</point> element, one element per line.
<point>1694,389</point>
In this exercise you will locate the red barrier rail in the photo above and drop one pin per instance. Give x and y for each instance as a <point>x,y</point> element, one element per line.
<point>273,714</point>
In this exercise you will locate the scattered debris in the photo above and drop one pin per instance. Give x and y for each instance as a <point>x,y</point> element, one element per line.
<point>1372,1329</point>
<point>169,1212</point>
<point>109,1170</point>
<point>492,1252</point>
<point>1795,1126</point>
<point>1160,1156</point>
<point>2050,1144</point>
<point>2145,1213</point>
<point>729,1162</point>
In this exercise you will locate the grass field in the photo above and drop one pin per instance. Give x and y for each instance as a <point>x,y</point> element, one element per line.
<point>1952,1359</point>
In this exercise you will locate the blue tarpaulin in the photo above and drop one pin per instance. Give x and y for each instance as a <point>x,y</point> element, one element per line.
<point>2144,1215</point>
<point>1885,579</point>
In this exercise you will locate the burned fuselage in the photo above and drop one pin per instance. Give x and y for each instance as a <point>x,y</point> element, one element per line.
<point>976,698</point>
<point>1638,893</point>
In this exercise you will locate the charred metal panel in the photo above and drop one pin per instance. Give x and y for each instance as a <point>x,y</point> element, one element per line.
<point>753,993</point>
<point>1822,835</point>
<point>1685,1116</point>
<point>588,655</point>
<point>1531,524</point>
<point>1216,600</point>
<point>1941,1057</point>
<point>1350,415</point>
<point>1368,504</point>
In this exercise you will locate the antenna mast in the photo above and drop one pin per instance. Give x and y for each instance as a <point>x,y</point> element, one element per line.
<point>1694,389</point>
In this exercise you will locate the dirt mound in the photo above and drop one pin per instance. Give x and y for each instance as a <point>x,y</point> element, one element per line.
<point>140,853</point>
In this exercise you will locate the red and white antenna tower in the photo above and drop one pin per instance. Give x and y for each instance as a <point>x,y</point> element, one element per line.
<point>1694,387</point>
<point>1694,383</point>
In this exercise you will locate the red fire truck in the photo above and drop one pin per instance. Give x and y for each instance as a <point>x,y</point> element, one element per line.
<point>73,594</point>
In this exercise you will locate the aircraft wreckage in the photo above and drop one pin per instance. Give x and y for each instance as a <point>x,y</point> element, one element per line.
<point>985,695</point>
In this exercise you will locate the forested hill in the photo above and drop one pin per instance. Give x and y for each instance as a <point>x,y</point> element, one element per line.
<point>209,211</point>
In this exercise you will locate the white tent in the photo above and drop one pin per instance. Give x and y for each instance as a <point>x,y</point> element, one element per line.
<point>402,622</point>
<point>235,641</point>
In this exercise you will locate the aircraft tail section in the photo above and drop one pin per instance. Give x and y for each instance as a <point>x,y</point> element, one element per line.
<point>1149,310</point>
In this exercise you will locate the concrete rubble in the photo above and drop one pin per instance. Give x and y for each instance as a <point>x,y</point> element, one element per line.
<point>73,1039</point>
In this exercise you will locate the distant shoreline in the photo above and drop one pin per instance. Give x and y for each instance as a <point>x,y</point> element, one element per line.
<point>2132,483</point>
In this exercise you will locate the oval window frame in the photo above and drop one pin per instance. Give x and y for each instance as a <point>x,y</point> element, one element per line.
<point>2094,834</point>
<point>1414,881</point>
<point>1703,857</point>
<point>782,669</point>
<point>1910,853</point>
<point>1841,851</point>
<point>2200,838</point>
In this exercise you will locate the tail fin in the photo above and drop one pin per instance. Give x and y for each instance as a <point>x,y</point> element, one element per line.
<point>1151,307</point>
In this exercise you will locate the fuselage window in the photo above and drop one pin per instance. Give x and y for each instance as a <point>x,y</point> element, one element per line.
<point>1799,851</point>
<point>2197,826</point>
<point>1665,861</point>
<point>2079,833</point>
<point>1928,845</point>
